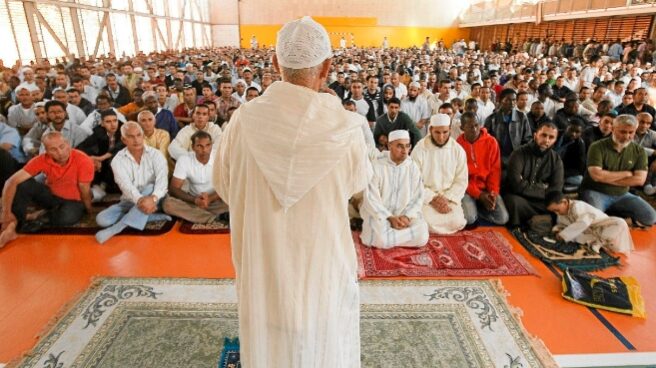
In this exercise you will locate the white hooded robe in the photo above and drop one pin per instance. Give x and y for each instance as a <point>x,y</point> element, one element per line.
<point>286,165</point>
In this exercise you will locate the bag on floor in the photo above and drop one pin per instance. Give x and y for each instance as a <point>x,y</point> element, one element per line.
<point>617,294</point>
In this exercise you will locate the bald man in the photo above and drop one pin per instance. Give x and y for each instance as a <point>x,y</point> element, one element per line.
<point>62,199</point>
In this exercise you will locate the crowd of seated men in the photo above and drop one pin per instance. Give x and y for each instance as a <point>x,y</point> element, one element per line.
<point>455,135</point>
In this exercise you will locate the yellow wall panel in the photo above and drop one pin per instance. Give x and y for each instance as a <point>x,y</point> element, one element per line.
<point>363,35</point>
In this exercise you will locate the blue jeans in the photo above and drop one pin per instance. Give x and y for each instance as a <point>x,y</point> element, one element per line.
<point>126,211</point>
<point>625,205</point>
<point>574,180</point>
<point>473,209</point>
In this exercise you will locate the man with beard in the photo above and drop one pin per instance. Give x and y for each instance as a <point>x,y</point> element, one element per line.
<point>58,121</point>
<point>533,171</point>
<point>416,107</point>
<point>639,104</point>
<point>482,198</point>
<point>164,119</point>
<point>73,113</point>
<point>615,164</point>
<point>443,166</point>
<point>391,210</point>
<point>394,119</point>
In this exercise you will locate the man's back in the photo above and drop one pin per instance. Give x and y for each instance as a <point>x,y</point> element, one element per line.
<point>287,175</point>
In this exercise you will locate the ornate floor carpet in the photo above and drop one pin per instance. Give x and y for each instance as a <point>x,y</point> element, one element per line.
<point>564,254</point>
<point>183,323</point>
<point>463,254</point>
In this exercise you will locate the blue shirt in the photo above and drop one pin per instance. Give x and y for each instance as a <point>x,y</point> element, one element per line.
<point>10,135</point>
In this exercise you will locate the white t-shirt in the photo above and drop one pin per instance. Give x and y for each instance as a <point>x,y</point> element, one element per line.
<point>198,175</point>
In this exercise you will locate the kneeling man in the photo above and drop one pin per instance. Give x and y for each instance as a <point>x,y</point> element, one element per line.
<point>391,211</point>
<point>443,166</point>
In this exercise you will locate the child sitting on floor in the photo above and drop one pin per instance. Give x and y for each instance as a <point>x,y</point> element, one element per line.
<point>582,223</point>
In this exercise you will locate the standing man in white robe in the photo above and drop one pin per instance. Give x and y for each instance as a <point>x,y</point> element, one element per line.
<point>391,211</point>
<point>287,174</point>
<point>443,166</point>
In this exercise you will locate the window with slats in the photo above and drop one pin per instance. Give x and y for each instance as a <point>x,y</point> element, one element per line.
<point>58,21</point>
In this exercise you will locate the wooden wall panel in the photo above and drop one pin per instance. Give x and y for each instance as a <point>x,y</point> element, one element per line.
<point>577,30</point>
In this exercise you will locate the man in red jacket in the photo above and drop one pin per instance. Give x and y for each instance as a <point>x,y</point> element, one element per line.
<point>484,166</point>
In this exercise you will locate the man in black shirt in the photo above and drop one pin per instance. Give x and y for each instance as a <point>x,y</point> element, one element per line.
<point>533,171</point>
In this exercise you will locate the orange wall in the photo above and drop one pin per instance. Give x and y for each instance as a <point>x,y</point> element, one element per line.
<point>365,33</point>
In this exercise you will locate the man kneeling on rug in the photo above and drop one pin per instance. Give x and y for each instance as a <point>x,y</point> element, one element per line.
<point>200,204</point>
<point>584,224</point>
<point>391,211</point>
<point>141,173</point>
<point>443,166</point>
<point>64,196</point>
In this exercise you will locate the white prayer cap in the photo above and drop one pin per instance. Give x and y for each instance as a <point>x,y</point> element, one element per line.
<point>398,134</point>
<point>148,94</point>
<point>27,86</point>
<point>438,120</point>
<point>414,84</point>
<point>40,104</point>
<point>302,43</point>
<point>138,69</point>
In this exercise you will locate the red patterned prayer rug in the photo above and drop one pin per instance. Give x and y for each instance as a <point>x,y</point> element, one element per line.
<point>466,253</point>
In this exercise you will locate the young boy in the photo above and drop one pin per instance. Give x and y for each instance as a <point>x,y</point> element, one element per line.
<point>580,222</point>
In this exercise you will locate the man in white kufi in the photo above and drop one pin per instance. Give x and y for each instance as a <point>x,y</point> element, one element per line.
<point>286,165</point>
<point>443,166</point>
<point>391,210</point>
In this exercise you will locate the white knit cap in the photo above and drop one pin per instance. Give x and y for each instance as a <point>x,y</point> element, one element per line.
<point>302,43</point>
<point>398,134</point>
<point>438,120</point>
